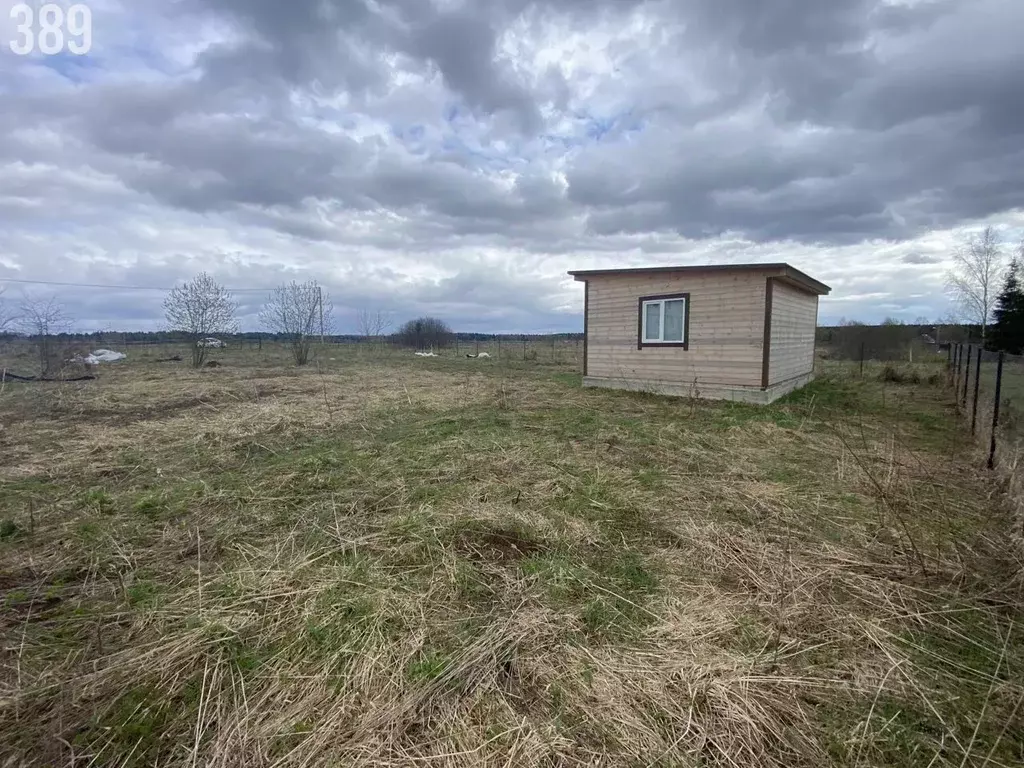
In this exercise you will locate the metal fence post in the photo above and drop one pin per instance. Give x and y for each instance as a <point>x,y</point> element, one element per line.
<point>967,377</point>
<point>977,385</point>
<point>862,359</point>
<point>995,412</point>
<point>960,370</point>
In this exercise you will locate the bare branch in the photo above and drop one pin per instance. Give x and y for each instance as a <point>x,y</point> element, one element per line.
<point>373,323</point>
<point>8,316</point>
<point>973,283</point>
<point>426,332</point>
<point>41,320</point>
<point>300,312</point>
<point>200,308</point>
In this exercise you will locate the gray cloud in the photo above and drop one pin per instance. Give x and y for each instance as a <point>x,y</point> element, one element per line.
<point>470,150</point>
<point>920,258</point>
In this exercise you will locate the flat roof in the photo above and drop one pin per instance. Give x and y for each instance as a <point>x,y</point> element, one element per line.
<point>784,270</point>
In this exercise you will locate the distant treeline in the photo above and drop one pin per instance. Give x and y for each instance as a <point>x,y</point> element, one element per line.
<point>165,337</point>
<point>890,341</point>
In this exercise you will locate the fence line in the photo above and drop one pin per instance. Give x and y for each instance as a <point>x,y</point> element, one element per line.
<point>977,386</point>
<point>989,382</point>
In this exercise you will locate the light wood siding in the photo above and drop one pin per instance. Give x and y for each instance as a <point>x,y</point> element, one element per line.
<point>794,320</point>
<point>726,329</point>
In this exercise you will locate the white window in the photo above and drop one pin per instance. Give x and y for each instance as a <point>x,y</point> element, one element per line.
<point>663,320</point>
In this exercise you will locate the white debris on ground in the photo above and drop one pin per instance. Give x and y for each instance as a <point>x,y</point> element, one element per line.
<point>481,355</point>
<point>425,354</point>
<point>103,356</point>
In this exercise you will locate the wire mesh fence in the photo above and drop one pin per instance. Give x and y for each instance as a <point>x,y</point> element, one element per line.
<point>562,351</point>
<point>989,391</point>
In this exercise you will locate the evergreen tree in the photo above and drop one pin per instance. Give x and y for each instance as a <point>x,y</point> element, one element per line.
<point>1008,315</point>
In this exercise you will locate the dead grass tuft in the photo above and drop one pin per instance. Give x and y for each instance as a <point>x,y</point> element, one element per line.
<point>465,566</point>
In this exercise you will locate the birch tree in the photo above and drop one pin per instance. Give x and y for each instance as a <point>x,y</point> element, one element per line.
<point>974,281</point>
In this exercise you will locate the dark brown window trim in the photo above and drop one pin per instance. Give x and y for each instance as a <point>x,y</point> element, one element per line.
<point>641,344</point>
<point>766,347</point>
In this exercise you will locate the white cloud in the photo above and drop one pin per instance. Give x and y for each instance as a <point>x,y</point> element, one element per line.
<point>458,159</point>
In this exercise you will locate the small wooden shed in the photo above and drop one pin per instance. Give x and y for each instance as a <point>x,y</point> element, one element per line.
<point>730,332</point>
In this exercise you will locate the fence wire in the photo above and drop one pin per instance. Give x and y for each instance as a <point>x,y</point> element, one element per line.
<point>989,390</point>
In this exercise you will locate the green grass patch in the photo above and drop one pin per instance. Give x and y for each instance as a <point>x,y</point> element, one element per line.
<point>646,578</point>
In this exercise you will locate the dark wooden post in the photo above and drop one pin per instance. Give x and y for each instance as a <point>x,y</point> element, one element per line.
<point>959,373</point>
<point>862,359</point>
<point>977,384</point>
<point>995,412</point>
<point>967,377</point>
<point>959,368</point>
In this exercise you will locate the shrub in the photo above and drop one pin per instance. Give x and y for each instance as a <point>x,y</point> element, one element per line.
<point>425,333</point>
<point>894,375</point>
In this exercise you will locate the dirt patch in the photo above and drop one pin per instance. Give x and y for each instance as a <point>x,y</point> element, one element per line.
<point>501,545</point>
<point>15,579</point>
<point>38,608</point>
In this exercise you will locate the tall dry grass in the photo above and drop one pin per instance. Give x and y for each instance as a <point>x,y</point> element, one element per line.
<point>463,569</point>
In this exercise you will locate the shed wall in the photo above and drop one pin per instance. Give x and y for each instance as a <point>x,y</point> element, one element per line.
<point>793,324</point>
<point>726,339</point>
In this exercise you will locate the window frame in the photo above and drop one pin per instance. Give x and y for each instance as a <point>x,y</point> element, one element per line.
<point>641,343</point>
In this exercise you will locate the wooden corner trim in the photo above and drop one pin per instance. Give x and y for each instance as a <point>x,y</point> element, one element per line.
<point>766,347</point>
<point>586,322</point>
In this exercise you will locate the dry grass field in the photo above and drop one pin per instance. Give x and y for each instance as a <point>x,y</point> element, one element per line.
<point>399,561</point>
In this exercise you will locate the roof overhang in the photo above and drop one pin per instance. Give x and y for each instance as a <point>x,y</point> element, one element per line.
<point>790,274</point>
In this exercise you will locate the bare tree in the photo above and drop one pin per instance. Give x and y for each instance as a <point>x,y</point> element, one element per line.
<point>973,283</point>
<point>8,316</point>
<point>373,324</point>
<point>42,319</point>
<point>300,312</point>
<point>425,333</point>
<point>199,309</point>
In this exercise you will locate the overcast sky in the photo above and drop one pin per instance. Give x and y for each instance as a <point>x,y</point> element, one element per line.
<point>456,158</point>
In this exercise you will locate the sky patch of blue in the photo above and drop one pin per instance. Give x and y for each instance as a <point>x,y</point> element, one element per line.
<point>614,126</point>
<point>412,137</point>
<point>77,69</point>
